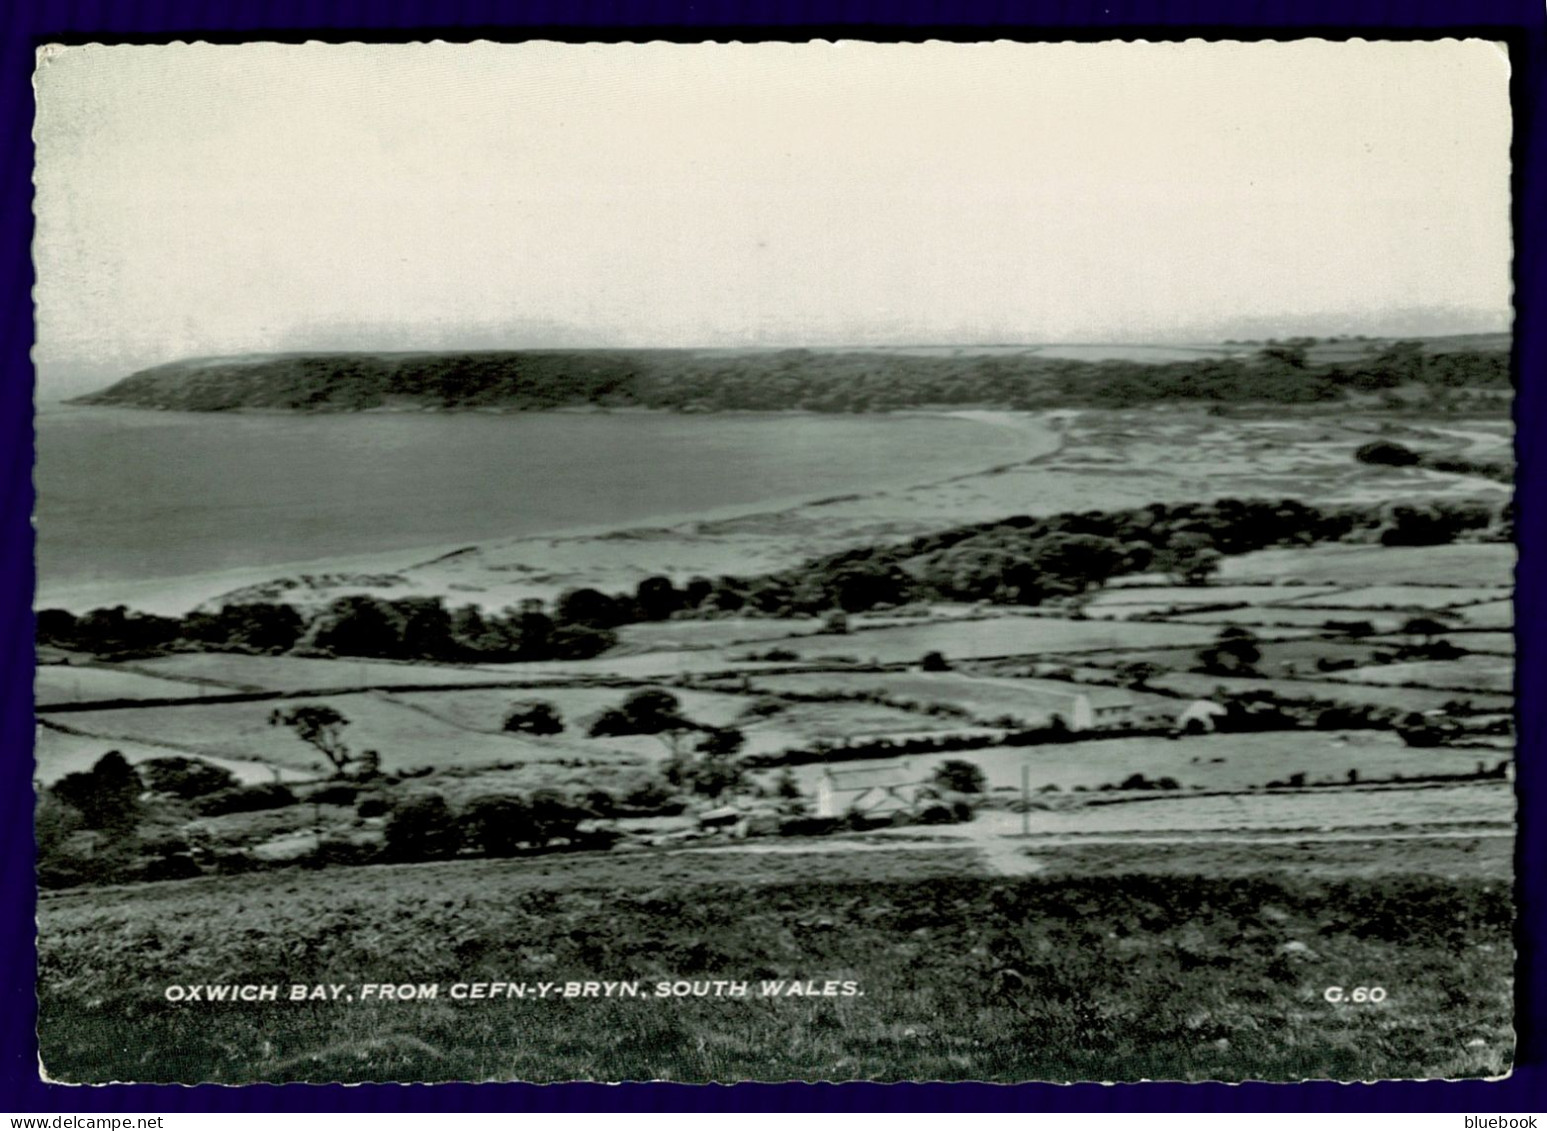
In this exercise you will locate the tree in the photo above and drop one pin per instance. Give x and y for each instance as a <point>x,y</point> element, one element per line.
<point>1386,453</point>
<point>185,778</point>
<point>785,785</point>
<point>588,607</point>
<point>368,765</point>
<point>552,815</point>
<point>319,726</point>
<point>358,625</point>
<point>651,711</point>
<point>499,825</point>
<point>715,771</point>
<point>1138,673</point>
<point>534,716</point>
<point>1190,559</point>
<point>422,828</point>
<point>106,796</point>
<point>1234,652</point>
<point>721,742</point>
<point>657,598</point>
<point>934,662</point>
<point>959,776</point>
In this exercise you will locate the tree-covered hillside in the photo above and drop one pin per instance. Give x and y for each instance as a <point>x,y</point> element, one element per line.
<point>1292,372</point>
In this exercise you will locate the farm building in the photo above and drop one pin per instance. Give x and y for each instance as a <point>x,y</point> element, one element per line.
<point>1110,706</point>
<point>873,791</point>
<point>1082,709</point>
<point>1200,713</point>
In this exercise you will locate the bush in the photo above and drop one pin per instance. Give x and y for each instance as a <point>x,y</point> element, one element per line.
<point>245,799</point>
<point>651,796</point>
<point>422,828</point>
<point>534,716</point>
<point>178,866</point>
<point>372,805</point>
<point>809,826</point>
<point>186,778</point>
<point>936,813</point>
<point>340,851</point>
<point>334,793</point>
<point>1387,453</point>
<point>959,776</point>
<point>499,825</point>
<point>553,816</point>
<point>106,796</point>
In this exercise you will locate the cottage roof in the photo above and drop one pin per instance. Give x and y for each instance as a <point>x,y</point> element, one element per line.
<point>872,777</point>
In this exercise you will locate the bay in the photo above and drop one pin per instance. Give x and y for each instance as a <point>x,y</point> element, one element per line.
<point>129,495</point>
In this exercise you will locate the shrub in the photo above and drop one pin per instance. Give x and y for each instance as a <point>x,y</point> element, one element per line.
<point>422,828</point>
<point>340,851</point>
<point>534,716</point>
<point>106,796</point>
<point>186,778</point>
<point>499,825</point>
<point>552,815</point>
<point>1387,453</point>
<point>809,826</point>
<point>177,866</point>
<point>936,813</point>
<point>372,805</point>
<point>651,796</point>
<point>245,799</point>
<point>334,793</point>
<point>959,776</point>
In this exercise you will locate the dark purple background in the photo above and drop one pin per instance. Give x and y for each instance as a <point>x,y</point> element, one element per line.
<point>27,23</point>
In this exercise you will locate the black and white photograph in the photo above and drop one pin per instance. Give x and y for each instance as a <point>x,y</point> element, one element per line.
<point>804,561</point>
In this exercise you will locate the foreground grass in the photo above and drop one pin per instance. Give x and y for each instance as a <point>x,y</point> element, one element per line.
<point>1129,975</point>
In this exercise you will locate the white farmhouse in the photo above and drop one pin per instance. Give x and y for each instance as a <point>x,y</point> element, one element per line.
<point>874,791</point>
<point>1200,714</point>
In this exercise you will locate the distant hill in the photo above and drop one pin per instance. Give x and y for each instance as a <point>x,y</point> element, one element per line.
<point>824,380</point>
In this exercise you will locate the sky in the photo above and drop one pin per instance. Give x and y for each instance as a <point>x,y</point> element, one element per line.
<point>197,200</point>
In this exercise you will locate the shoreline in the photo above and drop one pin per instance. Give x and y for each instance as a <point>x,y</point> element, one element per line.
<point>178,594</point>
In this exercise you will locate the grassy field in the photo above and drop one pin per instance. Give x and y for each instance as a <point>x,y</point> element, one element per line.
<point>1216,761</point>
<point>1180,595</point>
<point>994,636</point>
<point>1136,973</point>
<point>708,633</point>
<point>1490,563</point>
<point>1471,673</point>
<point>77,683</point>
<point>1494,614</point>
<point>59,752</point>
<point>1485,642</point>
<point>986,697</point>
<point>1407,698</point>
<point>1272,618</point>
<point>297,673</point>
<point>404,737</point>
<point>1405,597</point>
<point>1374,811</point>
<point>797,725</point>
